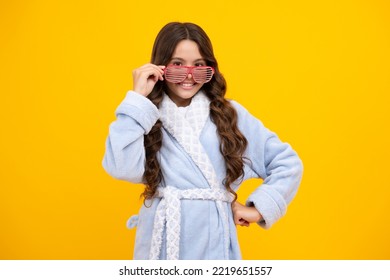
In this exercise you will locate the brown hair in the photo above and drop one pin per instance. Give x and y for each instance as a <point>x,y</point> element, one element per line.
<point>232,142</point>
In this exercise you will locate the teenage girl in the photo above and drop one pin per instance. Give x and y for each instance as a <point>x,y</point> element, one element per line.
<point>176,133</point>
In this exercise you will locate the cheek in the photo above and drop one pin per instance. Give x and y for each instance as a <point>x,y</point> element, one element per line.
<point>170,86</point>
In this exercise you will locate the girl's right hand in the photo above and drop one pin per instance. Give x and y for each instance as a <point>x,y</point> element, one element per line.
<point>146,76</point>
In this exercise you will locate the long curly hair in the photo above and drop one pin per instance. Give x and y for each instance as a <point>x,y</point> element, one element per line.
<point>232,142</point>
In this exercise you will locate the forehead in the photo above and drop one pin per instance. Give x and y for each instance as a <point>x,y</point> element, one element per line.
<point>187,50</point>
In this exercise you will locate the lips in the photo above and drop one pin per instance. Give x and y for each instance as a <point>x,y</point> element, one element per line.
<point>187,85</point>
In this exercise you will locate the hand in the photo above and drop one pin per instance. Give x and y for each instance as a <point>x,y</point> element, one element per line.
<point>244,215</point>
<point>145,77</point>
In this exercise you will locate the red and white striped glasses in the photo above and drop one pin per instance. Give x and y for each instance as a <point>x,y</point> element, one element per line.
<point>177,74</point>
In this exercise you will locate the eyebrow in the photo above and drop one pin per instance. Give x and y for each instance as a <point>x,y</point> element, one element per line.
<point>197,60</point>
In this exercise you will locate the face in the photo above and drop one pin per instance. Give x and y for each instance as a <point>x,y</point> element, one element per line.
<point>186,54</point>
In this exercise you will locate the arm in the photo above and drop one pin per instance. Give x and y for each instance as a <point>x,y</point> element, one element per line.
<point>124,157</point>
<point>273,161</point>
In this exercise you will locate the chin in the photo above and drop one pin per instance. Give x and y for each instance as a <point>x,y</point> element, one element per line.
<point>182,94</point>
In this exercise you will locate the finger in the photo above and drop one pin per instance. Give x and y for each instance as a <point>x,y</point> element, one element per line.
<point>145,77</point>
<point>148,67</point>
<point>244,223</point>
<point>159,68</point>
<point>148,73</point>
<point>158,72</point>
<point>162,67</point>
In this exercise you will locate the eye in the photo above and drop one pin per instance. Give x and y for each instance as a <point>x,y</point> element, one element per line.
<point>176,63</point>
<point>199,64</point>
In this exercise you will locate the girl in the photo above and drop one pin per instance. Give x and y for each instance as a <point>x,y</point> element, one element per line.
<point>177,134</point>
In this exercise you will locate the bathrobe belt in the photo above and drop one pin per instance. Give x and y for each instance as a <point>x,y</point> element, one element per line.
<point>168,214</point>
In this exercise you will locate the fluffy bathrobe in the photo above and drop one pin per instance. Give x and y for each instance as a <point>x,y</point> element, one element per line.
<point>206,229</point>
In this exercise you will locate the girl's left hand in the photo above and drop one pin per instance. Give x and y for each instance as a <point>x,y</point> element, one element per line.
<point>244,215</point>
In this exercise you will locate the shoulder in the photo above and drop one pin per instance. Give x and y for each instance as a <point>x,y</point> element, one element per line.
<point>243,114</point>
<point>247,122</point>
<point>239,107</point>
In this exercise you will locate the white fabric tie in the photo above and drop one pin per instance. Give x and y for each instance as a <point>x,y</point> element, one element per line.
<point>168,212</point>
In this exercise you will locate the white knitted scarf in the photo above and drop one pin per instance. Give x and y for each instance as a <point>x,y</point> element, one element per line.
<point>186,126</point>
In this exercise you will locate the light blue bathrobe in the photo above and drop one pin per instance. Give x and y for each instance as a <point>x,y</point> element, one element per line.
<point>201,226</point>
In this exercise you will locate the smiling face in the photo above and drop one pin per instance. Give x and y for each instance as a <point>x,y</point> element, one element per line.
<point>186,54</point>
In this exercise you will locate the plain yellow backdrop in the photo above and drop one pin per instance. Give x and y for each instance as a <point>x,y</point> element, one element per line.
<point>315,72</point>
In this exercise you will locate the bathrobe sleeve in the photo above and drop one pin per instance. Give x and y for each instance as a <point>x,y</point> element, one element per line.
<point>275,162</point>
<point>124,157</point>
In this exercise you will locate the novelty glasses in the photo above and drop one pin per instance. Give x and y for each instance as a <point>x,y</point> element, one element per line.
<point>177,74</point>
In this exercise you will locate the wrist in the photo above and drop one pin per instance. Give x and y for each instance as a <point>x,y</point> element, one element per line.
<point>140,92</point>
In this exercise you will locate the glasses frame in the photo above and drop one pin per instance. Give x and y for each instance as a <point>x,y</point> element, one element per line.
<point>190,70</point>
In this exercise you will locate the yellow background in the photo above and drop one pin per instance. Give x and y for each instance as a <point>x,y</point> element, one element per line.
<point>315,72</point>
